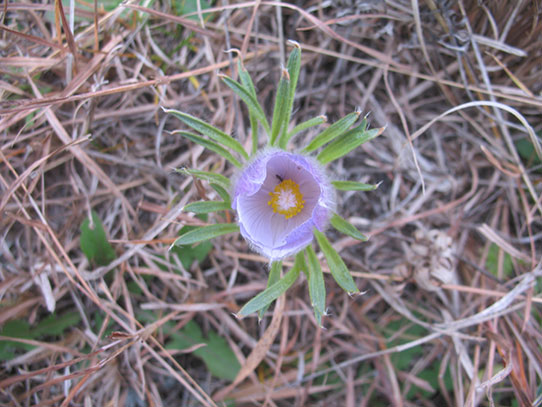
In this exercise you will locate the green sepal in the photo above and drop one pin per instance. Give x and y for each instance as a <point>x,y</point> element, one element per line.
<point>315,121</point>
<point>207,207</point>
<point>207,176</point>
<point>348,142</point>
<point>272,292</point>
<point>251,101</point>
<point>338,269</point>
<point>353,186</point>
<point>204,233</point>
<point>221,191</point>
<point>335,130</point>
<point>210,145</point>
<point>210,131</point>
<point>317,287</point>
<point>274,276</point>
<point>280,113</point>
<point>343,226</point>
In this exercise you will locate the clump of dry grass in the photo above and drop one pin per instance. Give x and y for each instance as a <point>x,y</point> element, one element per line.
<point>450,313</point>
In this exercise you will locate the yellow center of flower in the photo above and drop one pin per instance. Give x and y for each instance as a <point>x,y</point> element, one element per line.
<point>286,199</point>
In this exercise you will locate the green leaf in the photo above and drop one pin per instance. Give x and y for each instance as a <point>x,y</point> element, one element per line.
<point>216,354</point>
<point>207,206</point>
<point>335,130</point>
<point>14,329</point>
<point>354,186</point>
<point>250,101</point>
<point>222,192</point>
<point>191,7</point>
<point>347,142</point>
<point>336,265</point>
<point>93,242</point>
<point>246,81</point>
<point>317,288</point>
<point>272,292</point>
<point>315,121</point>
<point>210,145</point>
<point>293,66</point>
<point>207,176</point>
<point>492,262</point>
<point>188,253</point>
<point>210,131</point>
<point>280,110</point>
<point>346,227</point>
<point>274,276</point>
<point>205,233</point>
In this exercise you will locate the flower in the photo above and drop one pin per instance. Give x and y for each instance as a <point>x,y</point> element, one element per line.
<point>280,197</point>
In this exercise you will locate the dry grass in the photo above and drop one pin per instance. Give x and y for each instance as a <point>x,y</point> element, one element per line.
<point>450,314</point>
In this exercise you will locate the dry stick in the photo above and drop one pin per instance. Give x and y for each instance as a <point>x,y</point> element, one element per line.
<point>246,39</point>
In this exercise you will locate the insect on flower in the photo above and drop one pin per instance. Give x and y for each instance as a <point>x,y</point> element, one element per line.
<point>282,200</point>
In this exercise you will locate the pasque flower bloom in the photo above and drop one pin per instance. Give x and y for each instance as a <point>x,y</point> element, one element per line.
<point>280,197</point>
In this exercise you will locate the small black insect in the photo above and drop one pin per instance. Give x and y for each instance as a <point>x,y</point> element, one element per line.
<point>279,177</point>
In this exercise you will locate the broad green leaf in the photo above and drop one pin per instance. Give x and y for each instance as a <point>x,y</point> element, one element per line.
<point>274,291</point>
<point>335,130</point>
<point>216,354</point>
<point>210,145</point>
<point>274,277</point>
<point>246,81</point>
<point>205,233</point>
<point>207,206</point>
<point>56,324</point>
<point>492,262</point>
<point>336,265</point>
<point>315,121</point>
<point>210,131</point>
<point>16,328</point>
<point>207,176</point>
<point>93,242</point>
<point>348,142</point>
<point>191,7</point>
<point>346,227</point>
<point>317,288</point>
<point>251,102</point>
<point>280,110</point>
<point>222,192</point>
<point>353,186</point>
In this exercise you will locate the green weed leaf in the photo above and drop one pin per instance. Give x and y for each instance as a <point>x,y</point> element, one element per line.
<point>207,206</point>
<point>348,142</point>
<point>206,176</point>
<point>280,113</point>
<point>93,242</point>
<point>315,121</point>
<point>216,354</point>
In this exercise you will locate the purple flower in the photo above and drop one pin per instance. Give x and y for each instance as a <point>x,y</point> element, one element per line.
<point>280,198</point>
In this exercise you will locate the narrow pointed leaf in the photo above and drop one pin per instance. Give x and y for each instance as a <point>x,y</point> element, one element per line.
<point>246,81</point>
<point>274,276</point>
<point>250,101</point>
<point>207,206</point>
<point>222,192</point>
<point>317,288</point>
<point>343,226</point>
<point>210,145</point>
<point>335,130</point>
<point>353,186</point>
<point>281,106</point>
<point>336,265</point>
<point>315,121</point>
<point>205,233</point>
<point>347,142</point>
<point>207,176</point>
<point>271,293</point>
<point>293,67</point>
<point>210,131</point>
